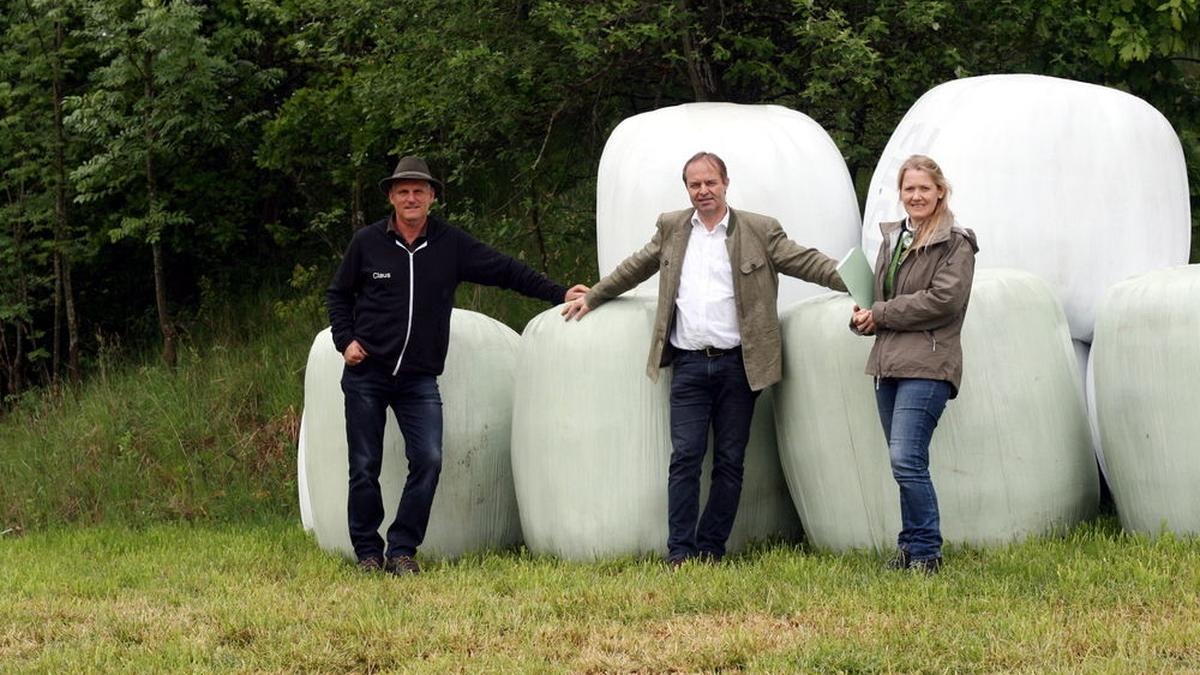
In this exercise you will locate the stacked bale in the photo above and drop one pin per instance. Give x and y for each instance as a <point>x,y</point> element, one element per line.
<point>1011,456</point>
<point>781,163</point>
<point>1081,184</point>
<point>1145,368</point>
<point>475,508</point>
<point>591,442</point>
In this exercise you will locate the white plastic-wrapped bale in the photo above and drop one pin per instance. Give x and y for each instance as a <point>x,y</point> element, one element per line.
<point>1093,424</point>
<point>1083,353</point>
<point>475,507</point>
<point>591,442</point>
<point>1011,455</point>
<point>1145,368</point>
<point>781,163</point>
<point>306,517</point>
<point>1081,184</point>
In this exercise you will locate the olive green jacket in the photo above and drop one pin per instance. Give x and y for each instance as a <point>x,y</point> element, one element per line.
<point>759,250</point>
<point>917,331</point>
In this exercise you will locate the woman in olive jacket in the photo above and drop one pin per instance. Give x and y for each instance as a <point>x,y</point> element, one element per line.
<point>922,284</point>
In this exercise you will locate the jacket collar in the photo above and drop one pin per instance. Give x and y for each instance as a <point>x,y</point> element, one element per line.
<point>435,227</point>
<point>942,233</point>
<point>686,222</point>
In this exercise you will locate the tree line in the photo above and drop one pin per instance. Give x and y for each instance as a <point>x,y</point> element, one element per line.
<point>160,154</point>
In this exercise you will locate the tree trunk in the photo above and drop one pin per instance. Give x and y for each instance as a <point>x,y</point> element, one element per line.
<point>538,236</point>
<point>160,299</point>
<point>860,133</point>
<point>160,280</point>
<point>62,263</point>
<point>5,365</point>
<point>73,371</point>
<point>699,73</point>
<point>56,333</point>
<point>358,217</point>
<point>16,382</point>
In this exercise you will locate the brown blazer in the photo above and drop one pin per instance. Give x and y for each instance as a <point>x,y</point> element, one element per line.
<point>759,251</point>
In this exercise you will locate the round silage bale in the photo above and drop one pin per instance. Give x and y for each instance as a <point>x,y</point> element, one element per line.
<point>1089,391</point>
<point>1081,184</point>
<point>1083,361</point>
<point>781,163</point>
<point>1145,368</point>
<point>475,507</point>
<point>591,442</point>
<point>1010,457</point>
<point>306,517</point>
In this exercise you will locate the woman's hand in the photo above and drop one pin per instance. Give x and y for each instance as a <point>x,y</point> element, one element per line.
<point>576,291</point>
<point>576,308</point>
<point>863,320</point>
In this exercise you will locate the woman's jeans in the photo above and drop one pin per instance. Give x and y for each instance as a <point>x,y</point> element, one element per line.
<point>909,409</point>
<point>370,390</point>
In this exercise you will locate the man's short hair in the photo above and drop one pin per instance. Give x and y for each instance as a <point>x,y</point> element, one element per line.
<point>711,158</point>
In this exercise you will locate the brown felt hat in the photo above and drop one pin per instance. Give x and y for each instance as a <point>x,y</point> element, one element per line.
<point>410,168</point>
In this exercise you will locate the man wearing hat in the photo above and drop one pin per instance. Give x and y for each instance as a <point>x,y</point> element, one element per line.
<point>389,306</point>
<point>717,327</point>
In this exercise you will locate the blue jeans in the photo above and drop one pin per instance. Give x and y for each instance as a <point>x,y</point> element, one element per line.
<point>909,409</point>
<point>370,391</point>
<point>706,391</point>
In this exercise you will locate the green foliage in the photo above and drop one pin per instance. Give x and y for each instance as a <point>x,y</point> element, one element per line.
<point>245,137</point>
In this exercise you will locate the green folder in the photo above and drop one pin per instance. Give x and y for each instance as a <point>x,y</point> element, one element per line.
<point>858,276</point>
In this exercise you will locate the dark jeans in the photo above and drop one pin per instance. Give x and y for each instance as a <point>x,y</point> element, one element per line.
<point>706,391</point>
<point>415,400</point>
<point>909,409</point>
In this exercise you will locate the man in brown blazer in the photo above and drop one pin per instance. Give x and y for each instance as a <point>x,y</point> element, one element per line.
<point>718,328</point>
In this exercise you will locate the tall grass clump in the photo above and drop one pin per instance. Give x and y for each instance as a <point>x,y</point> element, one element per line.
<point>138,443</point>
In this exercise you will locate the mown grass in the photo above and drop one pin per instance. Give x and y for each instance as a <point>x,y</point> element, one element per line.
<point>158,512</point>
<point>264,597</point>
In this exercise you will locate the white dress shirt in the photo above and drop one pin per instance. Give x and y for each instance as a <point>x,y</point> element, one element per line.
<point>705,310</point>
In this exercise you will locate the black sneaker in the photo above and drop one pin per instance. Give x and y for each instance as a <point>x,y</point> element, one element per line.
<point>929,566</point>
<point>676,563</point>
<point>402,565</point>
<point>901,561</point>
<point>370,564</point>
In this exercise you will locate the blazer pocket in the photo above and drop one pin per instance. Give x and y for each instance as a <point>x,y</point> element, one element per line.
<point>750,266</point>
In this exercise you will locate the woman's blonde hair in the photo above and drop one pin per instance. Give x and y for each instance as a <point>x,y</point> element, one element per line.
<point>942,210</point>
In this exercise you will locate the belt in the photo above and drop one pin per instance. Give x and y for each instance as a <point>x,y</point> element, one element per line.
<point>713,352</point>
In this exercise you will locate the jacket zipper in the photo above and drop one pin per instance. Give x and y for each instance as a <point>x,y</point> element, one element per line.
<point>411,295</point>
<point>896,291</point>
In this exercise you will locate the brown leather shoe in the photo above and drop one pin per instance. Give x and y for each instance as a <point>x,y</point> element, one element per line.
<point>901,561</point>
<point>370,564</point>
<point>402,565</point>
<point>929,566</point>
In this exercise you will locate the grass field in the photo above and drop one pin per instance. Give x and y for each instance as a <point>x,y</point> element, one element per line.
<point>263,597</point>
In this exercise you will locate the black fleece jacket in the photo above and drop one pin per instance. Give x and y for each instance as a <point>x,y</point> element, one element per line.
<point>396,299</point>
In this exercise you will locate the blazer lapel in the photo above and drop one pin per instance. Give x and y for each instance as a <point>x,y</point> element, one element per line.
<point>673,252</point>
